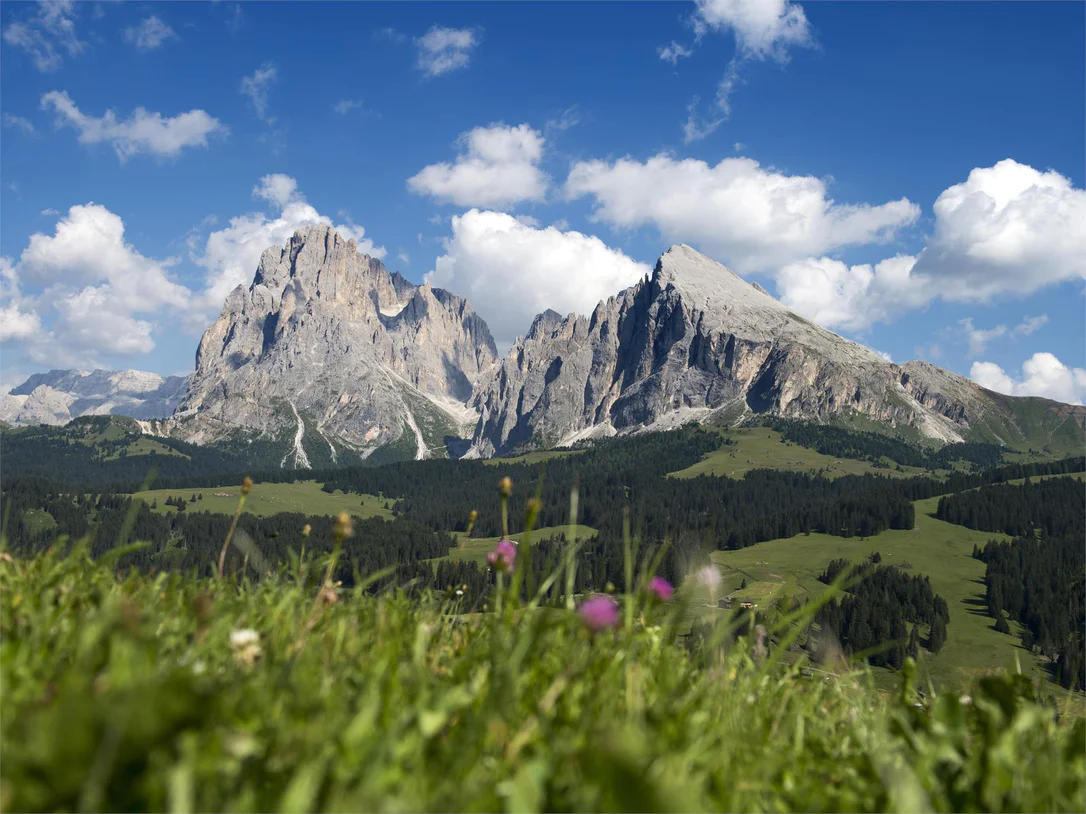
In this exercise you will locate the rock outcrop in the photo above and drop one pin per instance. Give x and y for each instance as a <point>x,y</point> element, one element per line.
<point>59,396</point>
<point>695,342</point>
<point>327,351</point>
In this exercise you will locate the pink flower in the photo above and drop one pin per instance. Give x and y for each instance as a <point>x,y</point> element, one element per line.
<point>503,556</point>
<point>600,613</point>
<point>661,589</point>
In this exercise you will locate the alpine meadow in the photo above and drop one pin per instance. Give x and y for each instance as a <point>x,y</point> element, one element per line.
<point>514,406</point>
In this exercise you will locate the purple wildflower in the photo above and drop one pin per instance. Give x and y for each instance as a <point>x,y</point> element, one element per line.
<point>503,556</point>
<point>600,613</point>
<point>661,589</point>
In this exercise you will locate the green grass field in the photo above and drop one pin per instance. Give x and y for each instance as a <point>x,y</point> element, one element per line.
<point>38,521</point>
<point>475,550</point>
<point>145,446</point>
<point>763,448</point>
<point>533,457</point>
<point>942,551</point>
<point>271,498</point>
<point>161,692</point>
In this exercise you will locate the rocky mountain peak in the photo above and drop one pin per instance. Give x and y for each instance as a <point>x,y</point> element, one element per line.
<point>328,351</point>
<point>697,342</point>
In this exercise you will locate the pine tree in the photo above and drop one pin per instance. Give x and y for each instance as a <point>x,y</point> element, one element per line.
<point>913,648</point>
<point>938,635</point>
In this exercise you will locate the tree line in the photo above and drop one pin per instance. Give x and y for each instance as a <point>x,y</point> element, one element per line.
<point>873,617</point>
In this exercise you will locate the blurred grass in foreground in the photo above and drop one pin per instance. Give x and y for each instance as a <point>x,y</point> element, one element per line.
<point>162,692</point>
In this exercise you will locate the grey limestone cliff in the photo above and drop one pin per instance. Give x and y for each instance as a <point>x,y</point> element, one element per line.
<point>329,351</point>
<point>695,342</point>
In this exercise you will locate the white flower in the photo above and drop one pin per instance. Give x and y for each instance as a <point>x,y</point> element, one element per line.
<point>246,646</point>
<point>244,638</point>
<point>459,592</point>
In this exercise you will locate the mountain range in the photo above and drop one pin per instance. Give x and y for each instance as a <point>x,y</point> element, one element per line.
<point>329,358</point>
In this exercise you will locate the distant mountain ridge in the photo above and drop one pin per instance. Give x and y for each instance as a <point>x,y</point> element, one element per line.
<point>58,396</point>
<point>328,358</point>
<point>695,342</point>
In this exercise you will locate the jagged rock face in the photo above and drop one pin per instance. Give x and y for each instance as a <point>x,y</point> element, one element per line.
<point>326,339</point>
<point>693,341</point>
<point>58,396</point>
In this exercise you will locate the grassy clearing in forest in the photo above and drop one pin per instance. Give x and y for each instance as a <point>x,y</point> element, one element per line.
<point>267,499</point>
<point>763,448</point>
<point>941,551</point>
<point>533,457</point>
<point>475,550</point>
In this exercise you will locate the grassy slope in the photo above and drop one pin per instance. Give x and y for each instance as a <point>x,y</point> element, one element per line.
<point>942,551</point>
<point>533,457</point>
<point>270,498</point>
<point>475,550</point>
<point>762,448</point>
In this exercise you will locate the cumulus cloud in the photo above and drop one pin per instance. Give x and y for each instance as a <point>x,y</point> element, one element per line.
<point>511,271</point>
<point>19,123</point>
<point>753,218</point>
<point>497,166</point>
<point>47,35</point>
<point>442,50</point>
<point>18,319</point>
<point>231,254</point>
<point>94,289</point>
<point>764,29</point>
<point>256,87</point>
<point>149,34</point>
<point>1042,375</point>
<point>142,132</point>
<point>1007,229</point>
<point>836,295</point>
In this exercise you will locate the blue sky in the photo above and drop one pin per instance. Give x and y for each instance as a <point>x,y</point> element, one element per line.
<point>543,155</point>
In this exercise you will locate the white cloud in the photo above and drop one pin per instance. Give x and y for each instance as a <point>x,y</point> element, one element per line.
<point>18,319</point>
<point>1029,325</point>
<point>232,254</point>
<point>978,338</point>
<point>404,257</point>
<point>673,52</point>
<point>256,87</point>
<point>48,35</point>
<point>1042,375</point>
<point>569,118</point>
<point>345,106</point>
<point>763,28</point>
<point>497,166</point>
<point>93,286</point>
<point>753,218</point>
<point>88,247</point>
<point>1008,229</point>
<point>836,295</point>
<point>142,132</point>
<point>19,122</point>
<point>50,212</point>
<point>149,34</point>
<point>442,50</point>
<point>511,271</point>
